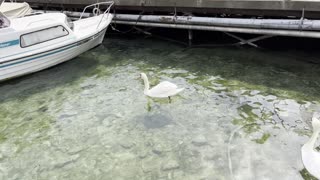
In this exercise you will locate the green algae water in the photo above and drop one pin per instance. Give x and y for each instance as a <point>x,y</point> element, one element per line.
<point>244,114</point>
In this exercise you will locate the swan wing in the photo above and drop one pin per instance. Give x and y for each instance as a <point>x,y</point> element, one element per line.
<point>311,161</point>
<point>164,89</point>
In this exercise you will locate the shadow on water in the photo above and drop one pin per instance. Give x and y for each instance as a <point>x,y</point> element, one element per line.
<point>65,74</point>
<point>153,121</point>
<point>157,117</point>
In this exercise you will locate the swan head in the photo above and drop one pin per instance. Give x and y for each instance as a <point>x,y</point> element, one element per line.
<point>316,121</point>
<point>143,76</point>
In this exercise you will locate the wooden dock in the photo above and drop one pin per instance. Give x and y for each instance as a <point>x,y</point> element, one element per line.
<point>281,8</point>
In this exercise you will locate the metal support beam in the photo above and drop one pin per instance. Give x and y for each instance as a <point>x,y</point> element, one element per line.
<point>249,41</point>
<point>242,41</point>
<point>256,39</point>
<point>284,24</point>
<point>272,32</point>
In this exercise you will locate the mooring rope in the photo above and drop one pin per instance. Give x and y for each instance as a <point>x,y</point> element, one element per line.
<point>132,28</point>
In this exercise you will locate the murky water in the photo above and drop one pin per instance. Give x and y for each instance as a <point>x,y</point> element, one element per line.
<point>244,112</point>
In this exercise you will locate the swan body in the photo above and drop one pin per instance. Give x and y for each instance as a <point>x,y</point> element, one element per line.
<point>164,89</point>
<point>310,157</point>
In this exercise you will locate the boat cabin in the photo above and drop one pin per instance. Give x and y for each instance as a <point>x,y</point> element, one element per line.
<point>33,33</point>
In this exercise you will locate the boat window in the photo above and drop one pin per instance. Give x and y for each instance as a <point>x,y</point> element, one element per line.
<point>41,36</point>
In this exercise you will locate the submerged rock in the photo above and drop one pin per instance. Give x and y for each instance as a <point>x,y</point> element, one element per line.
<point>68,114</point>
<point>199,140</point>
<point>170,165</point>
<point>143,154</point>
<point>63,161</point>
<point>106,123</point>
<point>75,150</point>
<point>157,149</point>
<point>125,143</point>
<point>254,92</point>
<point>150,165</point>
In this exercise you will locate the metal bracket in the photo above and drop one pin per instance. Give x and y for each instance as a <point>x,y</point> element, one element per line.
<point>301,20</point>
<point>249,41</point>
<point>175,13</point>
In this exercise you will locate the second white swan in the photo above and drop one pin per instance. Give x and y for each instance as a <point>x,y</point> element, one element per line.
<point>310,157</point>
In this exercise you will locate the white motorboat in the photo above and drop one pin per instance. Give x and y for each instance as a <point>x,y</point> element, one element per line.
<point>33,43</point>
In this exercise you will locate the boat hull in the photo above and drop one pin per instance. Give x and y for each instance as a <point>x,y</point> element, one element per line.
<point>19,67</point>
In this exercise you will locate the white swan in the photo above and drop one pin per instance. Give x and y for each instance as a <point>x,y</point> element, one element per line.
<point>310,157</point>
<point>164,89</point>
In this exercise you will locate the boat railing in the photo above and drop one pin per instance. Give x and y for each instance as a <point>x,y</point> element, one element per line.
<point>96,10</point>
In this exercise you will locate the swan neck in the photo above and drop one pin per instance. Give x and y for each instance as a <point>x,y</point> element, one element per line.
<point>146,84</point>
<point>313,138</point>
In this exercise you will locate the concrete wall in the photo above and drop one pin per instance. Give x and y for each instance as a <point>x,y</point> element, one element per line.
<point>259,6</point>
<point>311,5</point>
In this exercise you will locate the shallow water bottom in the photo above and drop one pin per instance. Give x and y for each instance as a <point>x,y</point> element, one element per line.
<point>244,114</point>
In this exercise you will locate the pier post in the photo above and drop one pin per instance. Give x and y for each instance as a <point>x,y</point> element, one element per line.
<point>190,36</point>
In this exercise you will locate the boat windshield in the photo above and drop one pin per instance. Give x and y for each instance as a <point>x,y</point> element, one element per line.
<point>4,21</point>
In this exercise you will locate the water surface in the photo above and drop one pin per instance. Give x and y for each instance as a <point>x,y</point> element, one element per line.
<point>88,118</point>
